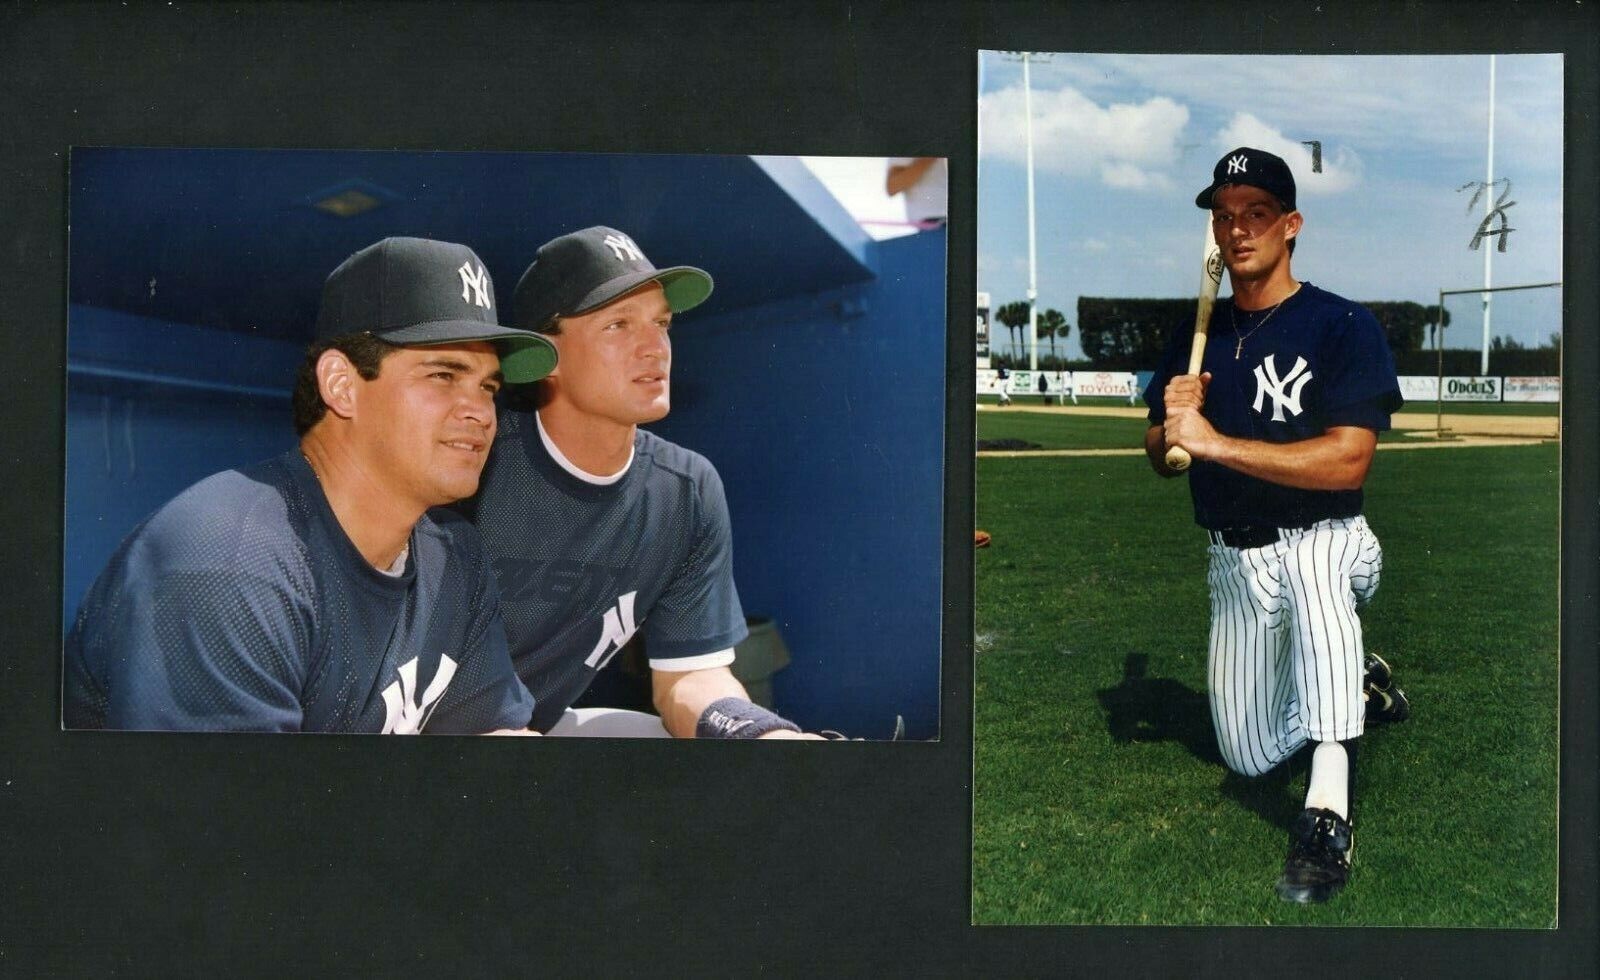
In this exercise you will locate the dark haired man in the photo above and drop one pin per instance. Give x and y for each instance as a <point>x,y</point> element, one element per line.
<point>1282,423</point>
<point>599,528</point>
<point>317,591</point>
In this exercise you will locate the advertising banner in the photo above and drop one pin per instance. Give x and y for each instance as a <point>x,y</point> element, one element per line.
<point>1532,389</point>
<point>1419,387</point>
<point>1471,389</point>
<point>1104,384</point>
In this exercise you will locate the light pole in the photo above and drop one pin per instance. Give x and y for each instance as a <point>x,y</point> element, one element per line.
<point>1026,57</point>
<point>1488,209</point>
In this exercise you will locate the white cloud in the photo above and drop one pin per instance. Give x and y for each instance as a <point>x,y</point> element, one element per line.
<point>1126,176</point>
<point>1125,145</point>
<point>1095,245</point>
<point>1341,167</point>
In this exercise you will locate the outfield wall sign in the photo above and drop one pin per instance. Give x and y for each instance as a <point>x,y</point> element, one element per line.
<point>1419,387</point>
<point>1104,384</point>
<point>1471,389</point>
<point>1544,389</point>
<point>1027,383</point>
<point>1073,384</point>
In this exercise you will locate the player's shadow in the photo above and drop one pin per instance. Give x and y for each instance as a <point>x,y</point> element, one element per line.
<point>1142,708</point>
<point>1158,709</point>
<point>1277,797</point>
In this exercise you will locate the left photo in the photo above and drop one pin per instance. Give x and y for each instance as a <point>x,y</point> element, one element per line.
<point>599,445</point>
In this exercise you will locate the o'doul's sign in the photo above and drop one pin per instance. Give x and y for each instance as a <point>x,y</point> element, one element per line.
<point>1471,389</point>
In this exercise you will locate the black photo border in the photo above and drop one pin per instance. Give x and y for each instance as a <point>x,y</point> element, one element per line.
<point>149,853</point>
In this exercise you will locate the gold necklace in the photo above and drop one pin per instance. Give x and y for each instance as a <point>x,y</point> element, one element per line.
<point>1238,348</point>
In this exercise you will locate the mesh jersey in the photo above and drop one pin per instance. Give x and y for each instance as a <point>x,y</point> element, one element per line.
<point>241,605</point>
<point>1320,361</point>
<point>581,566</point>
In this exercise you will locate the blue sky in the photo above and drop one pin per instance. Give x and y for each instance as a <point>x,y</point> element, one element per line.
<point>1122,143</point>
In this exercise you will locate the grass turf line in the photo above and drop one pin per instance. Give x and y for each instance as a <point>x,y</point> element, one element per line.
<point>1098,794</point>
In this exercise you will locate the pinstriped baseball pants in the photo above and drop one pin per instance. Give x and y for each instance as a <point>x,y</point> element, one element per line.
<point>1285,662</point>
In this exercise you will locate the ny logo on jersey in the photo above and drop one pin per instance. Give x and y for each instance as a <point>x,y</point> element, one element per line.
<point>474,285</point>
<point>1236,165</point>
<point>1268,383</point>
<point>616,629</point>
<point>621,245</point>
<point>404,714</point>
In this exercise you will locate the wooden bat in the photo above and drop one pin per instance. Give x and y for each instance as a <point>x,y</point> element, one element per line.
<point>1210,279</point>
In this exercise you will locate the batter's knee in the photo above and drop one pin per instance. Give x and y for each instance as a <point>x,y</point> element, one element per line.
<point>1243,759</point>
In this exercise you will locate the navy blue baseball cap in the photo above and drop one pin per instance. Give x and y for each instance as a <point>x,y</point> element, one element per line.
<point>416,291</point>
<point>1255,168</point>
<point>587,269</point>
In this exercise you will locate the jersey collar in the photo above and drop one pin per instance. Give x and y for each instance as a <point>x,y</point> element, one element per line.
<point>567,464</point>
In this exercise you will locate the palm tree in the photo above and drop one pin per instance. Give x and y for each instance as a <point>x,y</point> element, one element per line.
<point>1015,317</point>
<point>1053,324</point>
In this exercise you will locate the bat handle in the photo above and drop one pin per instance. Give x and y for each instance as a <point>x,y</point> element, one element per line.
<point>1178,458</point>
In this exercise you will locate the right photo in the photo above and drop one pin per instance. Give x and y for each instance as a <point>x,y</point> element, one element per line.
<point>1267,492</point>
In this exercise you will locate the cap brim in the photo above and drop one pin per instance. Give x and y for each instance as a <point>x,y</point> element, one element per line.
<point>685,287</point>
<point>524,355</point>
<point>1204,198</point>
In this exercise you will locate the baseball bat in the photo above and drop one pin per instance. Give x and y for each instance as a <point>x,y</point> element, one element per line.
<point>1210,278</point>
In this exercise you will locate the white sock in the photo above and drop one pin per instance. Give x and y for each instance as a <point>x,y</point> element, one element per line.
<point>1329,787</point>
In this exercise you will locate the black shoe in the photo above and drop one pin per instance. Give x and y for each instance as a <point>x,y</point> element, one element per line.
<point>1377,671</point>
<point>1386,704</point>
<point>1318,864</point>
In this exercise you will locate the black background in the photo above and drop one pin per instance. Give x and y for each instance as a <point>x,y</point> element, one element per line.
<point>145,853</point>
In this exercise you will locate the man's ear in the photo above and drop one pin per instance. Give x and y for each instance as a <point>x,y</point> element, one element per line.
<point>555,341</point>
<point>337,382</point>
<point>1291,227</point>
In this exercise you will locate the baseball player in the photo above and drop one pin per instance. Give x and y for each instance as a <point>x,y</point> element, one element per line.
<point>1281,424</point>
<point>598,528</point>
<point>316,591</point>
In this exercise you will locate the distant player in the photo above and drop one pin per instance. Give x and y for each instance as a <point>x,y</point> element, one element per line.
<point>316,591</point>
<point>600,529</point>
<point>1282,423</point>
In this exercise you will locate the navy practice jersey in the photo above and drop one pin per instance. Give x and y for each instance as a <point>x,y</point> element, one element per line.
<point>1320,361</point>
<point>241,605</point>
<point>582,566</point>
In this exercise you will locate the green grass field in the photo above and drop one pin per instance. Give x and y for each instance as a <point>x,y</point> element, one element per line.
<point>1024,402</point>
<point>1099,797</point>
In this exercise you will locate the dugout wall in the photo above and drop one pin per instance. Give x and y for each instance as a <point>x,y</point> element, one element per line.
<point>813,378</point>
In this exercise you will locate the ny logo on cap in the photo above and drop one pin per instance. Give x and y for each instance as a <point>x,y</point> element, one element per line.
<point>1236,165</point>
<point>474,286</point>
<point>620,244</point>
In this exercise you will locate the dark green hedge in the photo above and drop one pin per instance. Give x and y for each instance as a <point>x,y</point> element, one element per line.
<point>1116,333</point>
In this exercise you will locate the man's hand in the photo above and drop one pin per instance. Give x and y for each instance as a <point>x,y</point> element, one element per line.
<point>1186,427</point>
<point>1187,391</point>
<point>786,734</point>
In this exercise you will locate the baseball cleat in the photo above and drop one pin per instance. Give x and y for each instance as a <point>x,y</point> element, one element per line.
<point>1386,704</point>
<point>1377,671</point>
<point>1318,864</point>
